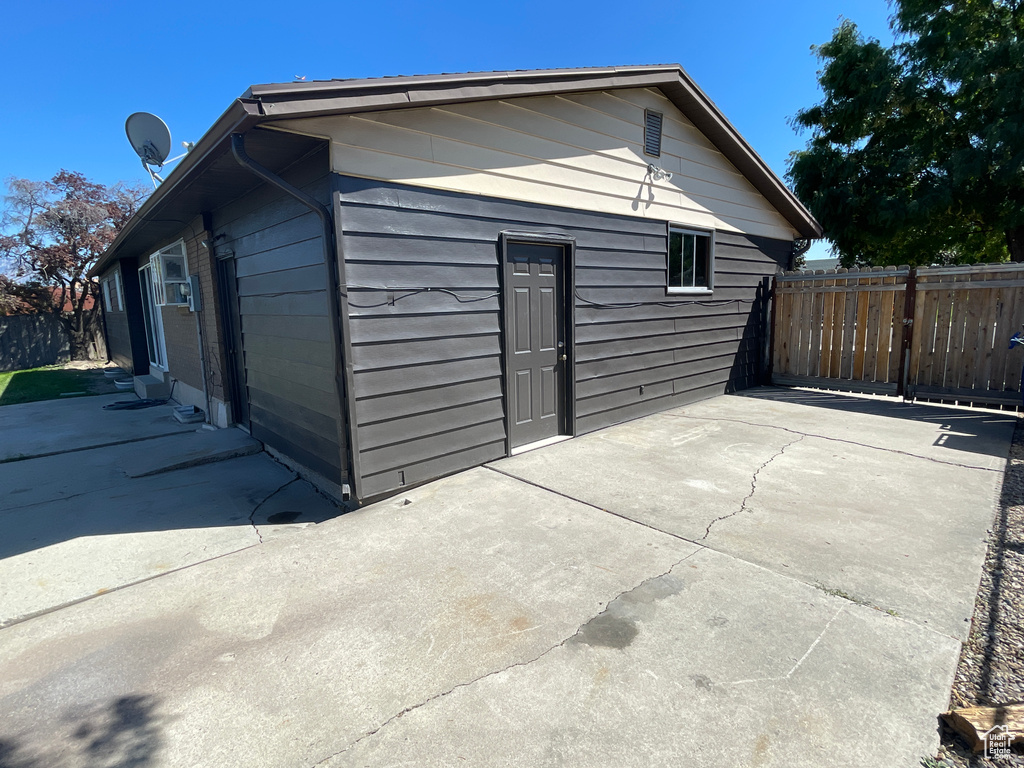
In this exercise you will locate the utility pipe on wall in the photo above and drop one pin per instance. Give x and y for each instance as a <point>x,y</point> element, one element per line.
<point>331,267</point>
<point>202,368</point>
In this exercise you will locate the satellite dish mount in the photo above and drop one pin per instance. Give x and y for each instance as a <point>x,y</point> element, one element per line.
<point>151,139</point>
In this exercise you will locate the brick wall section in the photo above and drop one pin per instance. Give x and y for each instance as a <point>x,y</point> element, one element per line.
<point>180,331</point>
<point>182,345</point>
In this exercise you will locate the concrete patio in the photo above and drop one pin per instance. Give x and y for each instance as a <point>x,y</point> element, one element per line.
<point>92,500</point>
<point>779,578</point>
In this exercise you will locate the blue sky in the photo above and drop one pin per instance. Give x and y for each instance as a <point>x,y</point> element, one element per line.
<point>76,70</point>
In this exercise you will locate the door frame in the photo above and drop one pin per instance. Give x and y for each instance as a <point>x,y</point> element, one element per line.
<point>231,326</point>
<point>568,245</point>
<point>153,319</point>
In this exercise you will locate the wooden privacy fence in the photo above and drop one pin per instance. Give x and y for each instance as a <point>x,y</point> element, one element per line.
<point>934,333</point>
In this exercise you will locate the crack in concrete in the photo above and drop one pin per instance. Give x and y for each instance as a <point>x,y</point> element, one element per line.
<point>256,509</point>
<point>753,488</point>
<point>834,440</point>
<point>588,504</point>
<point>69,497</point>
<point>556,646</point>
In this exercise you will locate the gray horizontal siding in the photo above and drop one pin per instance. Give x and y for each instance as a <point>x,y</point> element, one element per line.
<point>428,365</point>
<point>119,340</point>
<point>116,323</point>
<point>286,338</point>
<point>391,381</point>
<point>678,353</point>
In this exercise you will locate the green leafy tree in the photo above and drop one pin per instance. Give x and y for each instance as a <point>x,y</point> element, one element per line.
<point>916,154</point>
<point>51,234</point>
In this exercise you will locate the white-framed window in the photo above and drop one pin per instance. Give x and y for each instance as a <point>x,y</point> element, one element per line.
<point>106,286</point>
<point>170,275</point>
<point>118,291</point>
<point>691,260</point>
<point>113,299</point>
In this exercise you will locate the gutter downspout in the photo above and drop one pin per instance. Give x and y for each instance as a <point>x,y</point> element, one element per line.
<point>331,267</point>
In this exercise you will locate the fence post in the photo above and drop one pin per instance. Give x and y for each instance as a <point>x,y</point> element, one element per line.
<point>909,299</point>
<point>770,368</point>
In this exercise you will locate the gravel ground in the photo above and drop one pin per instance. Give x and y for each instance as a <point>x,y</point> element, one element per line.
<point>991,669</point>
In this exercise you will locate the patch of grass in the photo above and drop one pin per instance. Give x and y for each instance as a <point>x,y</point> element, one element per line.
<point>48,383</point>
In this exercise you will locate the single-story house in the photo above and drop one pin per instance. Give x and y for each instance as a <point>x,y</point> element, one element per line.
<point>395,279</point>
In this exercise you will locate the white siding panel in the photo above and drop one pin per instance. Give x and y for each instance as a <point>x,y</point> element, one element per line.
<point>582,151</point>
<point>702,178</point>
<point>639,99</point>
<point>377,165</point>
<point>484,129</point>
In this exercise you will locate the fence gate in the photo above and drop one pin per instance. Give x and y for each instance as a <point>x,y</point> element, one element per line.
<point>935,333</point>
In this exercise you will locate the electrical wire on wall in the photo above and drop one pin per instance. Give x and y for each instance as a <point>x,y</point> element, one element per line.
<point>461,298</point>
<point>682,303</point>
<point>464,299</point>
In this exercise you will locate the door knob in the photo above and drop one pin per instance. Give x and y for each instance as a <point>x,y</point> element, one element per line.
<point>562,358</point>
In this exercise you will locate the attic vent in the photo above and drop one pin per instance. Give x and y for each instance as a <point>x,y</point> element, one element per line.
<point>652,133</point>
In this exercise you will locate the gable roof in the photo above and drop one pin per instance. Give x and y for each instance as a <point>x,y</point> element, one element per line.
<point>208,173</point>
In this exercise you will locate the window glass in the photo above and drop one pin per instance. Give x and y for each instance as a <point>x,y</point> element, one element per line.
<point>688,265</point>
<point>174,267</point>
<point>119,292</point>
<point>689,260</point>
<point>701,261</point>
<point>675,258</point>
<point>170,272</point>
<point>107,303</point>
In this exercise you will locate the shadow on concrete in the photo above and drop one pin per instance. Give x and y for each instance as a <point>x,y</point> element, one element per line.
<point>962,427</point>
<point>122,733</point>
<point>234,495</point>
<point>52,427</point>
<point>986,684</point>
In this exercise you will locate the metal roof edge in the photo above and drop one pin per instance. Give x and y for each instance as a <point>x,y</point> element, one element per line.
<point>423,81</point>
<point>747,159</point>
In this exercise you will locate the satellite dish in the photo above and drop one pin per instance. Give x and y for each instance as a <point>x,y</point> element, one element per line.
<point>150,138</point>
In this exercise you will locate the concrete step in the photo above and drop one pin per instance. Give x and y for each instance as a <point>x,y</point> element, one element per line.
<point>205,446</point>
<point>150,386</point>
